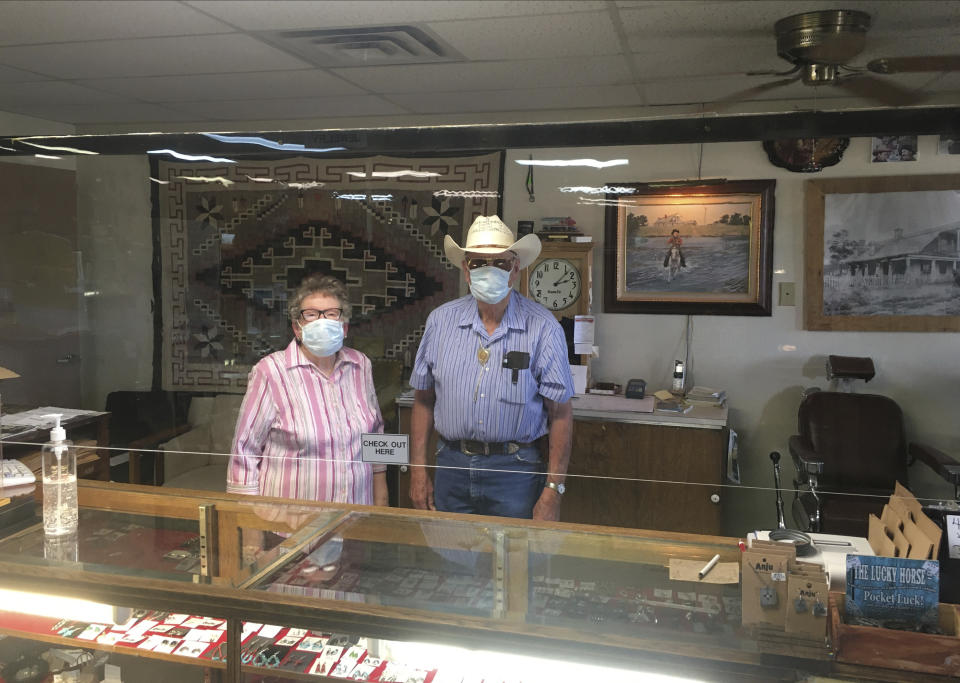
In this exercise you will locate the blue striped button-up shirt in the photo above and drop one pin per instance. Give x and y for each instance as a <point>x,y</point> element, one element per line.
<point>480,400</point>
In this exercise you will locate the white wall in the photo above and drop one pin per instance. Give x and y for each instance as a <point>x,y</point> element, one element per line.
<point>763,362</point>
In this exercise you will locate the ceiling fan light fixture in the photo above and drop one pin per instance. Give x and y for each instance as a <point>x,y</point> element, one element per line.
<point>819,74</point>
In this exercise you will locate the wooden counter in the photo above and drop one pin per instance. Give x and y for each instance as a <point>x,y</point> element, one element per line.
<point>620,460</point>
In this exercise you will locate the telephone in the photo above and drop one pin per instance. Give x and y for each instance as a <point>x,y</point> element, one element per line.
<point>635,388</point>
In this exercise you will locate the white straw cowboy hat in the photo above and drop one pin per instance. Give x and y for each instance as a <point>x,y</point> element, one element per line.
<point>489,235</point>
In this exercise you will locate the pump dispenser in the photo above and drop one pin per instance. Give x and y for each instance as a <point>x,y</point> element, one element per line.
<point>59,483</point>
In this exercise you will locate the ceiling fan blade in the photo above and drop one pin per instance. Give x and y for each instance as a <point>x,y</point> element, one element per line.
<point>882,90</point>
<point>896,65</point>
<point>750,93</point>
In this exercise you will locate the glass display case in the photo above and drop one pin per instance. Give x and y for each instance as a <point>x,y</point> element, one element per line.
<point>249,587</point>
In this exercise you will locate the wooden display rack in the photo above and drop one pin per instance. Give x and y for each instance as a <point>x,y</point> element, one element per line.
<point>901,650</point>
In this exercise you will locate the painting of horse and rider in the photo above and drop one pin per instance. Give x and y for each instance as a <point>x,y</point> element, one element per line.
<point>700,250</point>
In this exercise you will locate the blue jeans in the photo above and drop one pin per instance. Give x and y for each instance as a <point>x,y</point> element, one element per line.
<point>464,483</point>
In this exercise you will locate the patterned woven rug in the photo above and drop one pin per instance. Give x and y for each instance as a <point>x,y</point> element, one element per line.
<point>235,239</point>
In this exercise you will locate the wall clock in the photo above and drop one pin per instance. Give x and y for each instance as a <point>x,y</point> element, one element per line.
<point>560,278</point>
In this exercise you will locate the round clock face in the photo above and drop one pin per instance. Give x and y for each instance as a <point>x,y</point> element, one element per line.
<point>555,283</point>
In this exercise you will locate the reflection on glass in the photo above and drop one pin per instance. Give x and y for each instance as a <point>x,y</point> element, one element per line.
<point>604,189</point>
<point>53,148</point>
<point>270,144</point>
<point>591,163</point>
<point>191,157</point>
<point>61,548</point>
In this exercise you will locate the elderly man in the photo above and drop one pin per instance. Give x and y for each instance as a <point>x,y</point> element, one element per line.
<point>491,376</point>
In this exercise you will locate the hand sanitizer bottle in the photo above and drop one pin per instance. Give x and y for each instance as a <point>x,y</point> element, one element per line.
<point>59,483</point>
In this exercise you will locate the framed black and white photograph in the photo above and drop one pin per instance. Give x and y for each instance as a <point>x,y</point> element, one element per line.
<point>883,254</point>
<point>704,249</point>
<point>891,148</point>
<point>947,145</point>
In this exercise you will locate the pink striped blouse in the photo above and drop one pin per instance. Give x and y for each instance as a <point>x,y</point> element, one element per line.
<point>298,432</point>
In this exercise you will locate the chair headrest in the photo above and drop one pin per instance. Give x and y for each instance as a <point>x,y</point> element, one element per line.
<point>850,367</point>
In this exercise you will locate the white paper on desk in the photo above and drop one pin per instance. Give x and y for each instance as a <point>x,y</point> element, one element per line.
<point>614,403</point>
<point>583,334</point>
<point>579,373</point>
<point>37,416</point>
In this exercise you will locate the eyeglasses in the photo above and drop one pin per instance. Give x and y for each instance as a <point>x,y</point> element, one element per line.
<point>311,314</point>
<point>501,263</point>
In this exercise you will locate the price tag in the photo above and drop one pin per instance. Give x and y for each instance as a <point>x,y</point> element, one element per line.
<point>779,576</point>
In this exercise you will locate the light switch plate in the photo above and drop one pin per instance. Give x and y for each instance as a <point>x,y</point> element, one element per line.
<point>788,294</point>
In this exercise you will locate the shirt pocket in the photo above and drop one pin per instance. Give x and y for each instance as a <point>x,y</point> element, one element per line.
<point>520,393</point>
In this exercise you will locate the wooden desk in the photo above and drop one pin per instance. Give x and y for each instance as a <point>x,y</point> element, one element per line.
<point>619,460</point>
<point>95,428</point>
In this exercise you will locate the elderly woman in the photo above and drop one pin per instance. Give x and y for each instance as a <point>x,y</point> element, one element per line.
<point>298,432</point>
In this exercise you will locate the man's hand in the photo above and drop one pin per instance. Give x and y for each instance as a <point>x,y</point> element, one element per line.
<point>421,489</point>
<point>548,506</point>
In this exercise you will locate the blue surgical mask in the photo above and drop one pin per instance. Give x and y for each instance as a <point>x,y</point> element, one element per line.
<point>323,337</point>
<point>489,284</point>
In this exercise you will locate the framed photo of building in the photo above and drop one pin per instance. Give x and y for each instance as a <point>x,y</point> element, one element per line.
<point>689,249</point>
<point>883,254</point>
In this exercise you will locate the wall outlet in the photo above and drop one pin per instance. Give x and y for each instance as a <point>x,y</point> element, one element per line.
<point>788,294</point>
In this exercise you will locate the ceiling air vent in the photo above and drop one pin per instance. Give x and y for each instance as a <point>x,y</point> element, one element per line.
<point>365,46</point>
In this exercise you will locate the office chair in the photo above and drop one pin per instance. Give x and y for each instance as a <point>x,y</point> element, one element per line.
<point>849,452</point>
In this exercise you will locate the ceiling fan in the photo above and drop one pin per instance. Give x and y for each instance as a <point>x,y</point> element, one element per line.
<point>820,46</point>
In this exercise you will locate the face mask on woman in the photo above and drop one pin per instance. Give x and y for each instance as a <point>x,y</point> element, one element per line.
<point>323,337</point>
<point>489,284</point>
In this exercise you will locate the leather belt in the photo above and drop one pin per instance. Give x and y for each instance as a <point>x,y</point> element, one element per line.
<point>471,447</point>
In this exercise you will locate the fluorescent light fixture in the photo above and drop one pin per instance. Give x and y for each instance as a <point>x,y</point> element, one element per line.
<point>92,292</point>
<point>465,193</point>
<point>592,163</point>
<point>159,182</point>
<point>226,182</point>
<point>56,606</point>
<point>788,347</point>
<point>394,174</point>
<point>258,179</point>
<point>46,156</point>
<point>606,189</point>
<point>191,157</point>
<point>56,149</point>
<point>780,271</point>
<point>304,186</point>
<point>270,144</point>
<point>9,149</point>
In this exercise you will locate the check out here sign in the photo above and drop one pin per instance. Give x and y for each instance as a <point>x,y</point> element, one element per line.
<point>386,449</point>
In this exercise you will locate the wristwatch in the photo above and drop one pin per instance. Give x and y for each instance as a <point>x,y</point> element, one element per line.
<point>559,488</point>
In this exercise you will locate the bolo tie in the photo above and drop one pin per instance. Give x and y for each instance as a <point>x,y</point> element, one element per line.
<point>529,182</point>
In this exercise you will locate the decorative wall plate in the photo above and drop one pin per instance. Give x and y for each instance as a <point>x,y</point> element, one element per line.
<point>805,155</point>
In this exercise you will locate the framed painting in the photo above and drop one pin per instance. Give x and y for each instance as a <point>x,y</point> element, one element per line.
<point>883,254</point>
<point>691,249</point>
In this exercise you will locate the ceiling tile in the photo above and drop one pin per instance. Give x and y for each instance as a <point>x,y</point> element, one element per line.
<point>11,75</point>
<point>515,100</point>
<point>266,15</point>
<point>609,70</point>
<point>654,59</point>
<point>562,35</point>
<point>150,57</point>
<point>60,21</point>
<point>313,107</point>
<point>125,112</point>
<point>54,92</point>
<point>205,87</point>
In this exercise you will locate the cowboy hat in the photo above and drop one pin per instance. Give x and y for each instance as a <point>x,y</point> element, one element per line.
<point>489,235</point>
